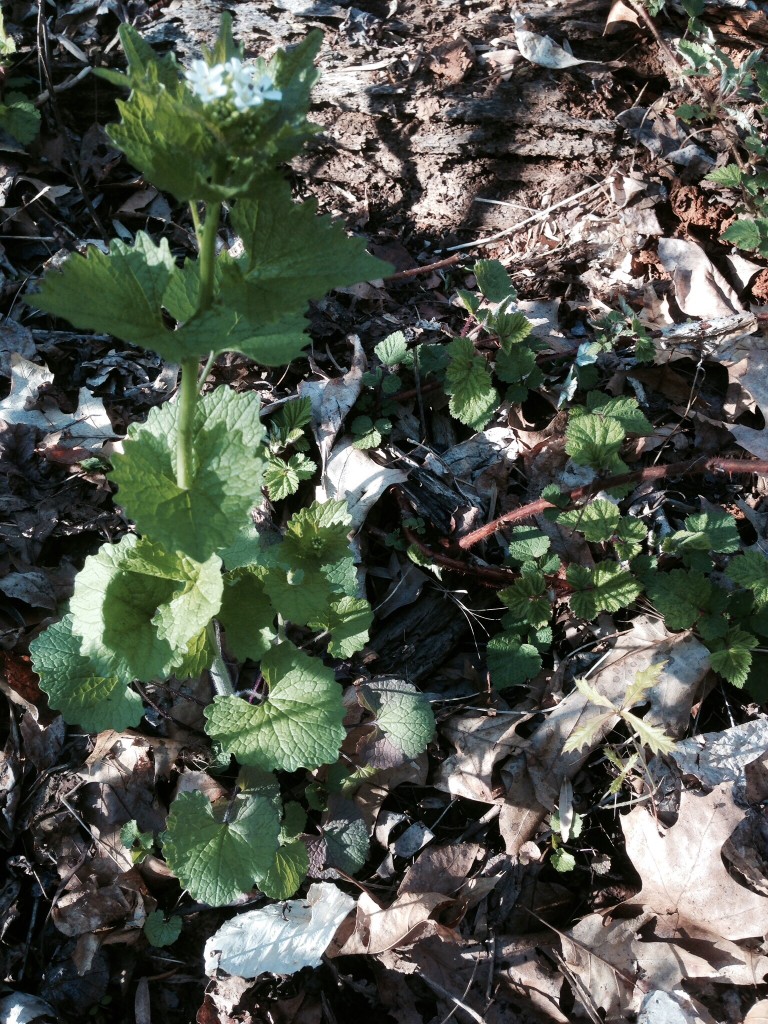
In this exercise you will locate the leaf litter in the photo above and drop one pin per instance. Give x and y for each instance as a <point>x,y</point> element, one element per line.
<point>458,909</point>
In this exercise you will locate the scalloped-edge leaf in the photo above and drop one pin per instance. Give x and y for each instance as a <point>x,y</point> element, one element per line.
<point>218,851</point>
<point>161,932</point>
<point>348,621</point>
<point>401,711</point>
<point>75,687</point>
<point>226,474</point>
<point>247,615</point>
<point>280,939</point>
<point>299,725</point>
<point>138,607</point>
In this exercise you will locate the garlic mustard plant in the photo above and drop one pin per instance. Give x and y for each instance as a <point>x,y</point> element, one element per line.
<point>156,604</point>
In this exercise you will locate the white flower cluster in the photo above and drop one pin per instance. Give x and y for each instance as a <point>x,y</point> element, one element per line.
<point>230,80</point>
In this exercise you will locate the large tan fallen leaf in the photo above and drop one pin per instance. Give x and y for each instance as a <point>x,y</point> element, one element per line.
<point>378,928</point>
<point>603,960</point>
<point>682,869</point>
<point>700,288</point>
<point>620,960</point>
<point>88,427</point>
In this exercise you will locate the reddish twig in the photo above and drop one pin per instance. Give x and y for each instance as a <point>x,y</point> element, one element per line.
<point>404,275</point>
<point>486,575</point>
<point>694,466</point>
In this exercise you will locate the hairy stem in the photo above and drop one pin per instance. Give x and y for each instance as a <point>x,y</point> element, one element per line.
<point>205,232</point>
<point>187,402</point>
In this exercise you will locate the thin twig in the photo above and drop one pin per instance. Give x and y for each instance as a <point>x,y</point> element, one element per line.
<point>404,275</point>
<point>539,215</point>
<point>690,468</point>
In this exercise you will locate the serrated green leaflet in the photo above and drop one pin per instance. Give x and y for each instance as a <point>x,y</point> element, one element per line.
<point>19,117</point>
<point>226,474</point>
<point>746,233</point>
<point>751,571</point>
<point>594,441</point>
<point>527,599</point>
<point>298,726</point>
<point>527,544</point>
<point>515,365</point>
<point>137,607</point>
<point>402,712</point>
<point>630,535</point>
<point>468,382</point>
<point>247,615</point>
<point>393,349</point>
<point>511,662</point>
<point>625,410</point>
<point>606,588</point>
<point>513,327</point>
<point>120,293</point>
<point>493,280</point>
<point>706,531</point>
<point>218,852</point>
<point>348,621</point>
<point>732,657</point>
<point>680,595</point>
<point>597,521</point>
<point>730,175</point>
<point>77,688</point>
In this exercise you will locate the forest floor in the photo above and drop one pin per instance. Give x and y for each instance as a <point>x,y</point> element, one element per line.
<point>441,142</point>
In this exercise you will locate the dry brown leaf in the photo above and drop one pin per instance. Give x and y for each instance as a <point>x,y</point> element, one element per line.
<point>602,957</point>
<point>378,929</point>
<point>620,14</point>
<point>481,741</point>
<point>82,912</point>
<point>682,868</point>
<point>440,869</point>
<point>700,288</point>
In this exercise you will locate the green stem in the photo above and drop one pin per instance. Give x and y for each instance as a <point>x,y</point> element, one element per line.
<point>206,370</point>
<point>208,256</point>
<point>187,402</point>
<point>206,238</point>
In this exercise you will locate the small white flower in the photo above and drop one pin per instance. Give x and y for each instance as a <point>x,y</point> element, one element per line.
<point>207,83</point>
<point>233,81</point>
